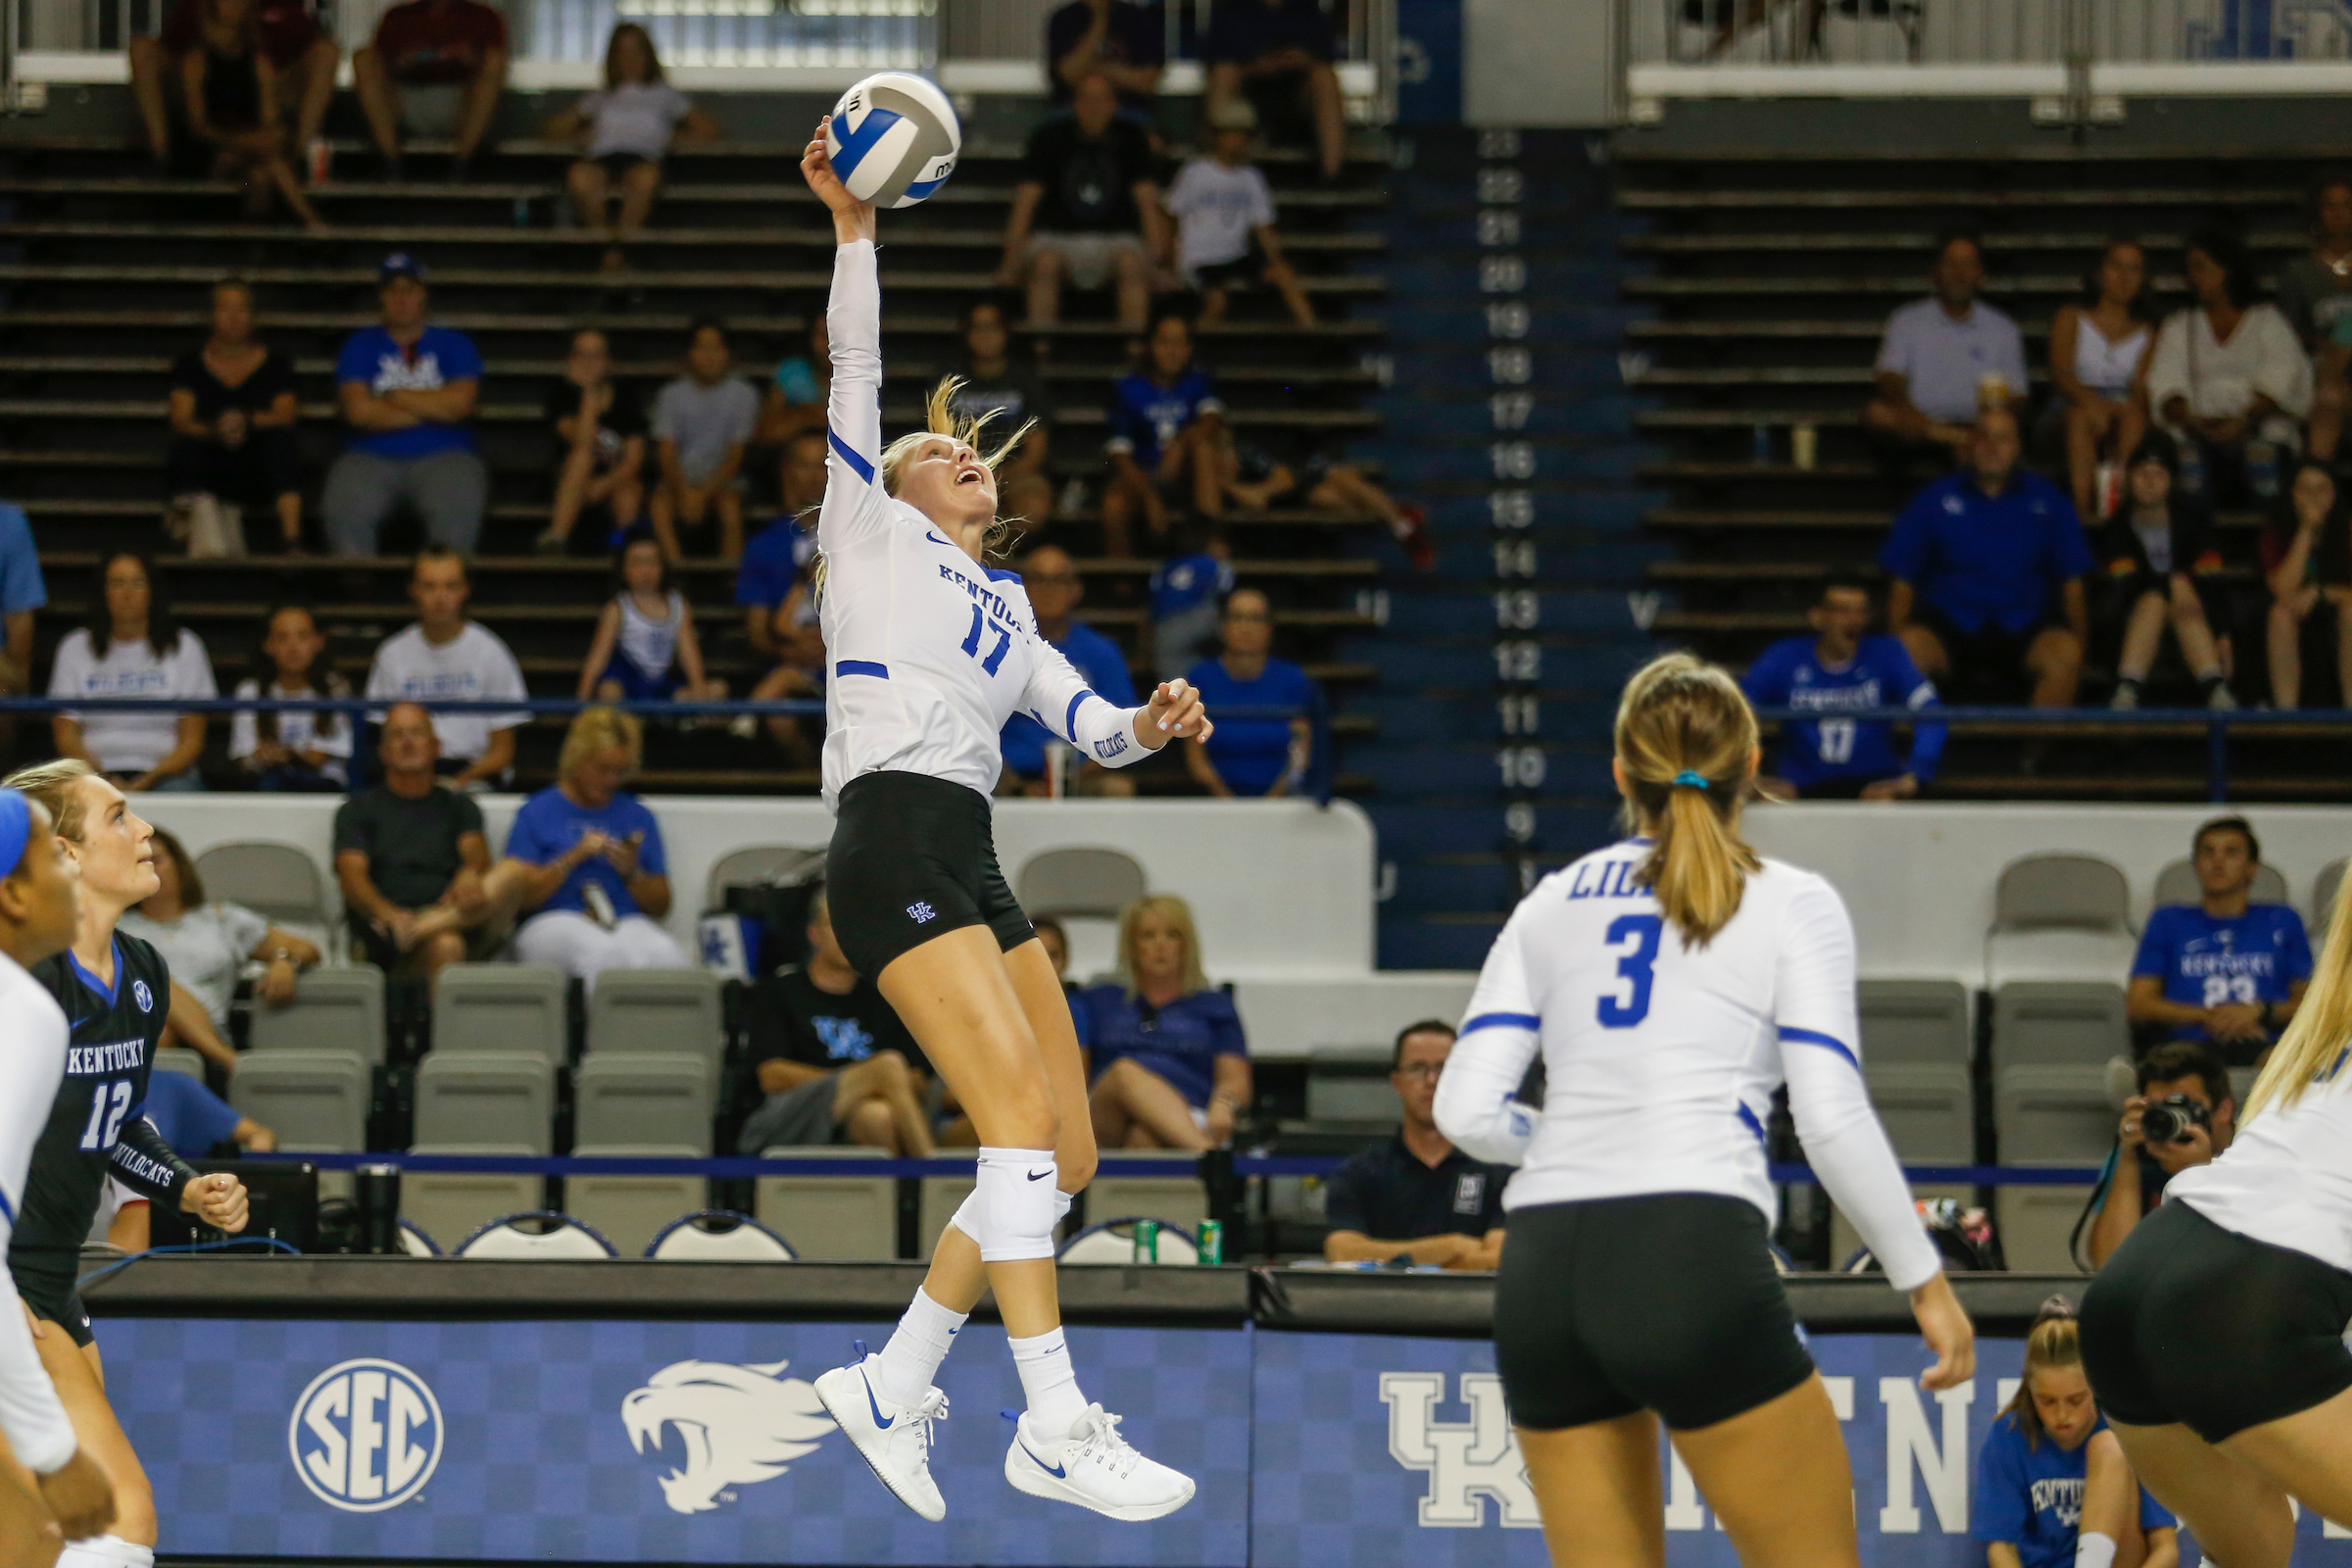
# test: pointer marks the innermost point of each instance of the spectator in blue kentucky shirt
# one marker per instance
(2224, 970)
(1988, 566)
(1050, 577)
(408, 390)
(195, 1121)
(1840, 669)
(779, 612)
(1168, 431)
(1251, 757)
(1171, 1065)
(1185, 592)
(22, 592)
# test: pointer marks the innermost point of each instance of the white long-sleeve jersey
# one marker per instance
(2287, 1177)
(32, 1064)
(1660, 1060)
(931, 651)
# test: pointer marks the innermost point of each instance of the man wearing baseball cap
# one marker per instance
(408, 390)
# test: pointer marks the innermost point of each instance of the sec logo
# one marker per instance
(142, 996)
(365, 1436)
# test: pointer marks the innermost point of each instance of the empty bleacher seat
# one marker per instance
(502, 1008)
(854, 1219)
(1171, 1199)
(2322, 898)
(643, 1097)
(657, 1009)
(2054, 1115)
(631, 1211)
(756, 864)
(536, 1235)
(2059, 917)
(484, 1100)
(1929, 1109)
(314, 1101)
(338, 1008)
(2048, 1023)
(280, 882)
(1914, 1021)
(179, 1059)
(719, 1236)
(2177, 883)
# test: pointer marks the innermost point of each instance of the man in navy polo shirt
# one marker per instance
(1417, 1197)
(1988, 568)
(1050, 577)
(408, 389)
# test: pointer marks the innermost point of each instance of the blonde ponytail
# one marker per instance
(1686, 744)
(2313, 1048)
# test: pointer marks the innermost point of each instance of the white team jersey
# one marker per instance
(931, 651)
(1660, 1060)
(2286, 1177)
(32, 1064)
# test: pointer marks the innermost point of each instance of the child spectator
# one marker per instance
(993, 383)
(2162, 561)
(232, 414)
(446, 46)
(627, 127)
(1253, 756)
(2307, 562)
(408, 390)
(1225, 220)
(795, 400)
(1051, 578)
(229, 87)
(701, 423)
(133, 648)
(779, 619)
(600, 434)
(292, 750)
(1167, 426)
(645, 648)
(445, 656)
(1185, 592)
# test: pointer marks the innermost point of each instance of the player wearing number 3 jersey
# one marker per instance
(1672, 983)
(933, 650)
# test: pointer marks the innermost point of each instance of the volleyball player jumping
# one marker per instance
(116, 992)
(1671, 983)
(2214, 1336)
(932, 652)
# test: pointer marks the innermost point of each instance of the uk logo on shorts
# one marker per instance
(142, 996)
(365, 1436)
(922, 913)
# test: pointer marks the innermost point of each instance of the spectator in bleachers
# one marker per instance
(131, 647)
(1416, 1196)
(832, 1058)
(292, 750)
(302, 54)
(409, 390)
(2307, 564)
(1167, 438)
(1055, 588)
(2100, 369)
(627, 128)
(1945, 358)
(2227, 375)
(701, 423)
(196, 1122)
(2188, 1074)
(1278, 54)
(2315, 288)
(1261, 481)
(645, 647)
(1253, 756)
(794, 399)
(22, 592)
(447, 656)
(2225, 971)
(600, 442)
(1086, 211)
(2162, 564)
(409, 859)
(1057, 942)
(1224, 216)
(586, 855)
(209, 945)
(1842, 668)
(1171, 1066)
(230, 87)
(994, 381)
(779, 613)
(1123, 41)
(457, 45)
(1186, 593)
(1988, 566)
(232, 414)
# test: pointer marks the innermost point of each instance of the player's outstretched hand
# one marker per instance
(217, 1200)
(78, 1497)
(816, 168)
(1943, 1323)
(1175, 710)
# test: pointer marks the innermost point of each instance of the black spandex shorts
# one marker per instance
(914, 857)
(1668, 1302)
(50, 1290)
(2192, 1324)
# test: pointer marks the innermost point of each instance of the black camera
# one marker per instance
(2168, 1119)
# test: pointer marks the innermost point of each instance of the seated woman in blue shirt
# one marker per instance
(1171, 1068)
(1251, 757)
(2053, 1488)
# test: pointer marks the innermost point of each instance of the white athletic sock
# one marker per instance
(1055, 1402)
(105, 1551)
(910, 1361)
(2095, 1550)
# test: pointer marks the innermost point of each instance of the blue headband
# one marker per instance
(1690, 778)
(16, 825)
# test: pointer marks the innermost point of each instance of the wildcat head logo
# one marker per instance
(736, 1424)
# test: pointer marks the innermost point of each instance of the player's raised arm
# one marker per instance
(854, 322)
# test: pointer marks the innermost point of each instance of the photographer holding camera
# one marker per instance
(2183, 1116)
(2224, 970)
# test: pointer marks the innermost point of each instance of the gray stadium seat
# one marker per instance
(2046, 1022)
(314, 1101)
(452, 1206)
(2177, 883)
(1929, 1109)
(1081, 882)
(629, 1211)
(2322, 898)
(716, 1236)
(1914, 1021)
(941, 1196)
(280, 882)
(502, 1008)
(332, 1008)
(2059, 917)
(2059, 1114)
(1360, 1090)
(786, 865)
(179, 1059)
(481, 1100)
(657, 1009)
(1171, 1199)
(643, 1097)
(853, 1218)
(532, 1236)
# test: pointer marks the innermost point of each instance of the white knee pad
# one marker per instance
(966, 1217)
(1012, 1212)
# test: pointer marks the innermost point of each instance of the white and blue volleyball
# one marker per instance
(893, 139)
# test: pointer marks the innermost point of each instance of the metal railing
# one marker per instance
(853, 34)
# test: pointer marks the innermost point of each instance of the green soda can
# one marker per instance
(1212, 1242)
(1146, 1241)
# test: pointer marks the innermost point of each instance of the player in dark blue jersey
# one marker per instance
(1840, 670)
(2226, 970)
(117, 995)
(1168, 431)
